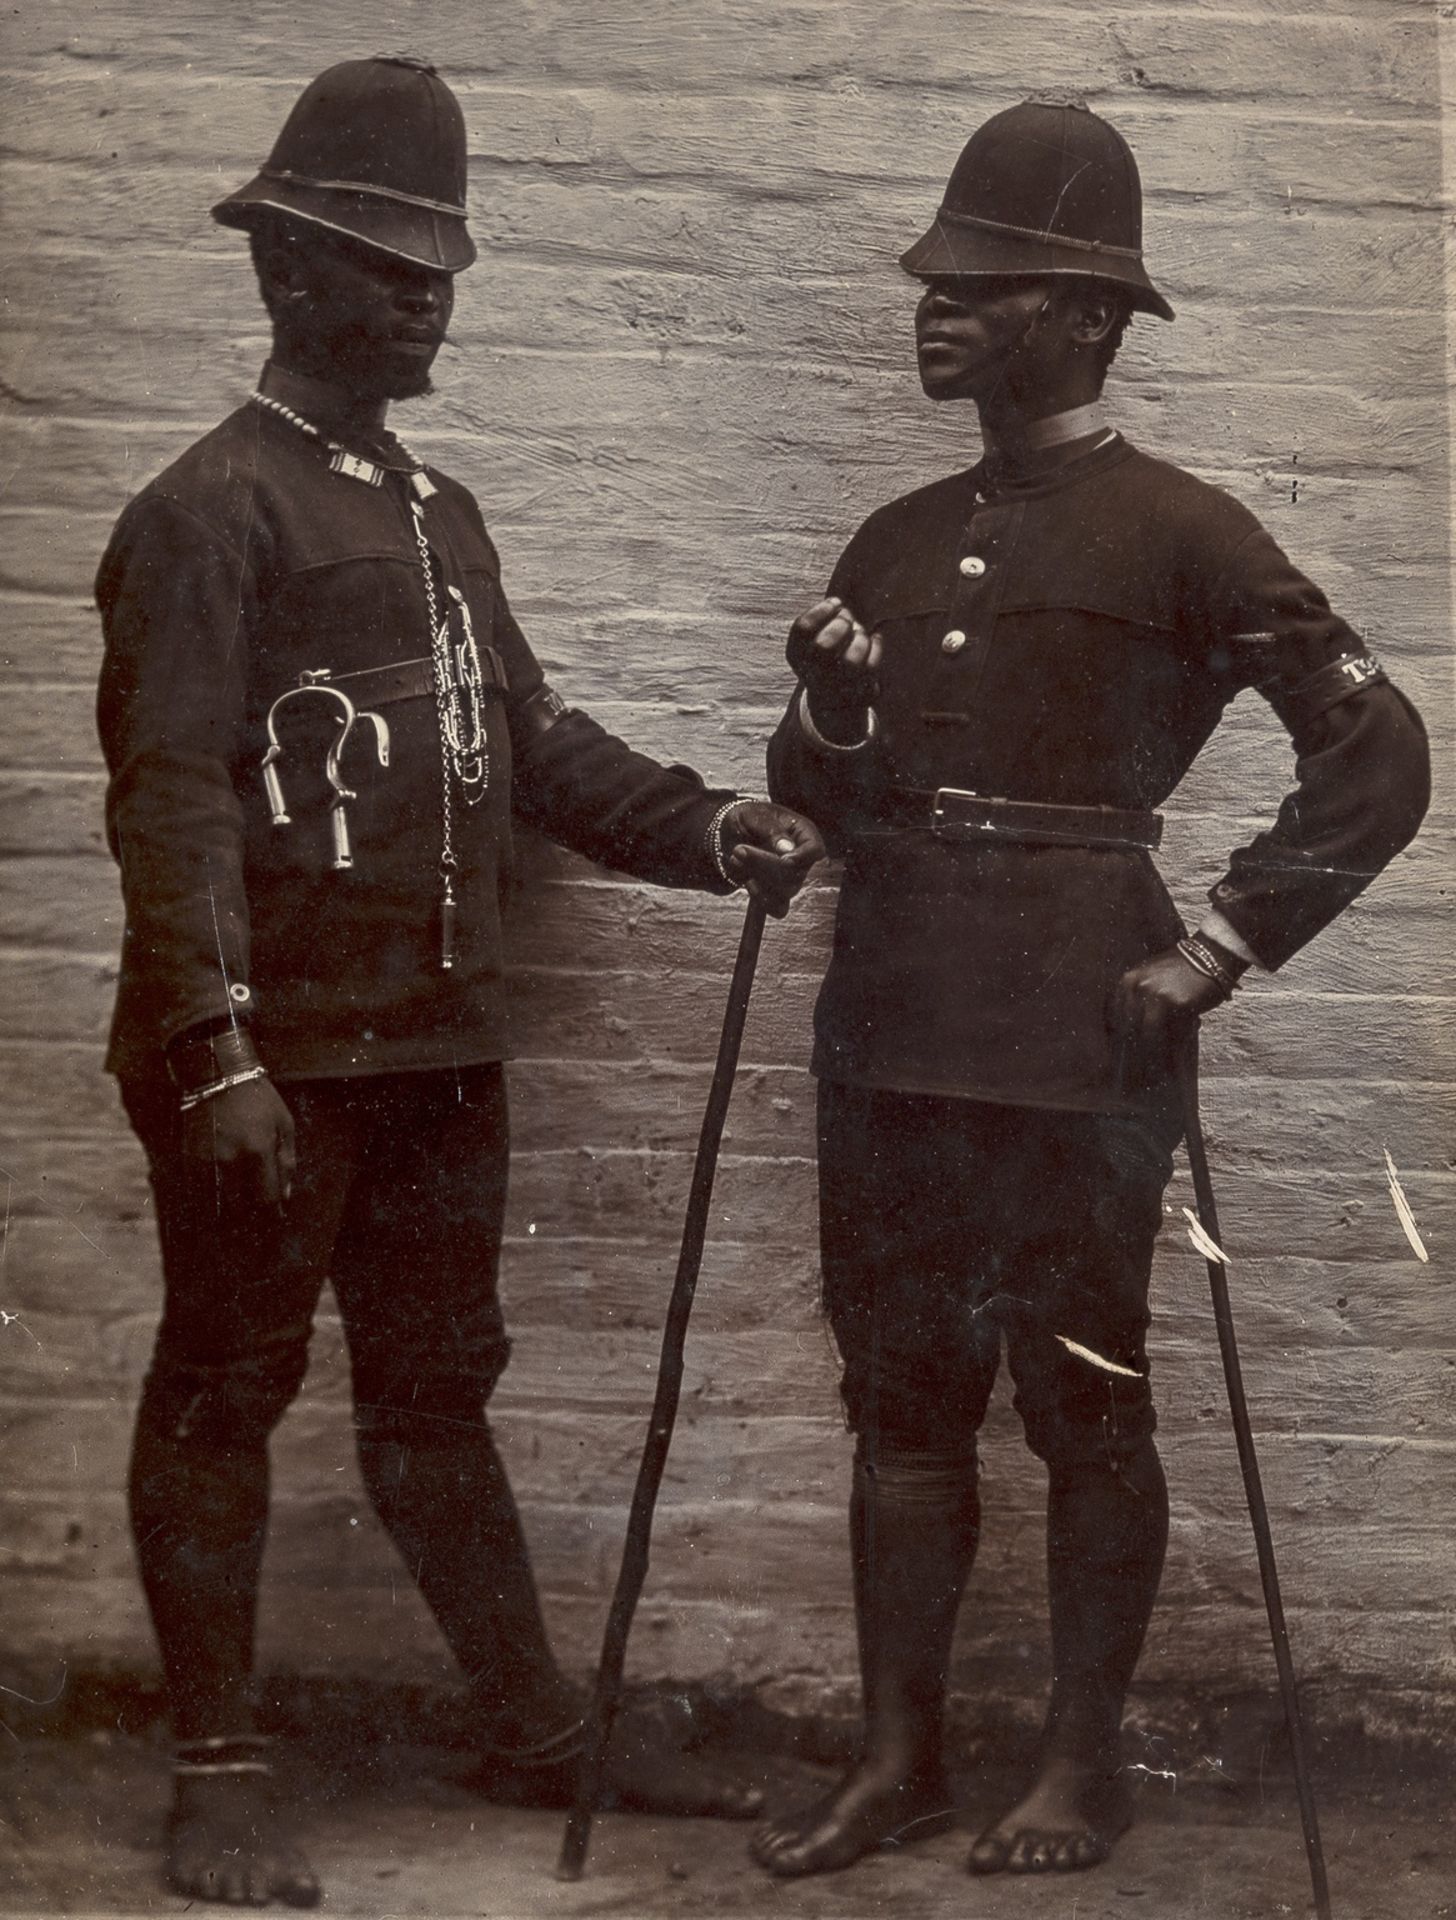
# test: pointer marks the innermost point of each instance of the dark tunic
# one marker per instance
(244, 565)
(1074, 639)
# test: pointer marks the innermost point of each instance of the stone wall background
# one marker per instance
(682, 373)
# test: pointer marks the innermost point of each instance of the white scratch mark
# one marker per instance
(1097, 1360)
(1402, 1210)
(16, 1694)
(1157, 1773)
(14, 1320)
(1205, 1244)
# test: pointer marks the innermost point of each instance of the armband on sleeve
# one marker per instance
(536, 715)
(1307, 699)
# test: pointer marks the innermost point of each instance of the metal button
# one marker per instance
(953, 641)
(237, 991)
(973, 566)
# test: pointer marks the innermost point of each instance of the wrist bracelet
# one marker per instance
(713, 841)
(196, 1096)
(1201, 956)
(714, 837)
(1231, 965)
(197, 1059)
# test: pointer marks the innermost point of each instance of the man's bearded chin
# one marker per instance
(411, 387)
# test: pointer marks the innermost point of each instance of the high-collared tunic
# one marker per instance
(1074, 639)
(244, 566)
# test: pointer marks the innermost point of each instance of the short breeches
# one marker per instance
(398, 1200)
(948, 1226)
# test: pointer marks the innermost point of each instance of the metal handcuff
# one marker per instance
(349, 716)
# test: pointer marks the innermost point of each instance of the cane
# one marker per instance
(664, 1409)
(1249, 1464)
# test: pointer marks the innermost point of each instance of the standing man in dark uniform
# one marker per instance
(1060, 627)
(319, 719)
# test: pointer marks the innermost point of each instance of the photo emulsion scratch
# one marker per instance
(520, 525)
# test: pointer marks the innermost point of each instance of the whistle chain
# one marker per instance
(458, 682)
(463, 754)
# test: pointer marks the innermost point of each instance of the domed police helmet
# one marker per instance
(374, 149)
(1044, 188)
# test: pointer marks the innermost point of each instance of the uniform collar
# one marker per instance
(1048, 470)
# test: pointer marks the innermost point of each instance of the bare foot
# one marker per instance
(224, 1842)
(872, 1807)
(648, 1771)
(1070, 1820)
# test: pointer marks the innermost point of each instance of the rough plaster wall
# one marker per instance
(682, 373)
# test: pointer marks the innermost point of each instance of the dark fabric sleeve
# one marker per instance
(830, 784)
(590, 791)
(177, 609)
(1362, 766)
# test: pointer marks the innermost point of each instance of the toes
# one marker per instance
(990, 1854)
(1018, 1859)
(1030, 1853)
(777, 1847)
(1086, 1850)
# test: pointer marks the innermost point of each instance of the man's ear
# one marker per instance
(277, 271)
(279, 267)
(1094, 317)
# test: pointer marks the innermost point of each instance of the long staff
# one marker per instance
(664, 1408)
(1249, 1463)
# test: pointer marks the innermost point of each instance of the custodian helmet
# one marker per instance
(1043, 189)
(374, 149)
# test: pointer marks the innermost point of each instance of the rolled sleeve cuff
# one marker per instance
(1214, 926)
(817, 739)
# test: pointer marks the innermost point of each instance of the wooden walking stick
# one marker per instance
(664, 1408)
(1249, 1464)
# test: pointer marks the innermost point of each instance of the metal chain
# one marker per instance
(440, 660)
(463, 751)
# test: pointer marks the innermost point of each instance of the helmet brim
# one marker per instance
(954, 248)
(418, 234)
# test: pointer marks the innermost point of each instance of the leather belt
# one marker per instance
(373, 687)
(962, 815)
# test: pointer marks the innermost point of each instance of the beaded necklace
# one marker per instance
(458, 680)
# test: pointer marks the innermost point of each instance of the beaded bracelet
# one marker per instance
(1200, 955)
(1233, 965)
(715, 833)
(713, 841)
(196, 1095)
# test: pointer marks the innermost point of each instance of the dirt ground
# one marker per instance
(398, 1831)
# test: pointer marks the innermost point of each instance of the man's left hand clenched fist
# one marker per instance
(770, 849)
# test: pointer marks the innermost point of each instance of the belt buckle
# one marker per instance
(941, 810)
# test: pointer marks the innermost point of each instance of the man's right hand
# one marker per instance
(245, 1136)
(836, 659)
(828, 647)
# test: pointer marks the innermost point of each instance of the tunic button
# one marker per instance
(973, 566)
(953, 641)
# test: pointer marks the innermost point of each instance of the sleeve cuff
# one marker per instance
(1213, 926)
(816, 738)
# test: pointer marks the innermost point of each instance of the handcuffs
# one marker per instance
(318, 685)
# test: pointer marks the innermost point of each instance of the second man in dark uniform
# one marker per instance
(1014, 669)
